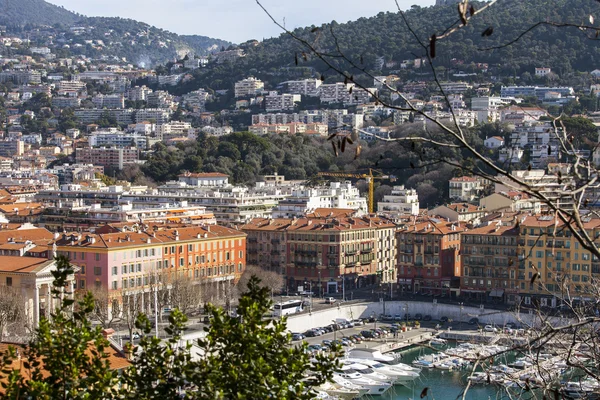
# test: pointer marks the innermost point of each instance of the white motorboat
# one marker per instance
(521, 363)
(372, 354)
(422, 363)
(398, 375)
(345, 383)
(438, 342)
(373, 387)
(478, 377)
(367, 372)
(585, 389)
(443, 365)
(341, 392)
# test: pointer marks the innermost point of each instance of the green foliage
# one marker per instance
(35, 12)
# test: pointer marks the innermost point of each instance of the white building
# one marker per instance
(305, 200)
(465, 188)
(211, 179)
(400, 201)
(282, 102)
(248, 87)
(306, 87)
(174, 129)
(541, 72)
(494, 142)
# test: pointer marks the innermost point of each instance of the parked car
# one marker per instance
(372, 318)
(508, 330)
(368, 334)
(310, 333)
(328, 328)
(315, 347)
(474, 321)
(297, 336)
(511, 325)
(329, 300)
(427, 318)
(326, 343)
(444, 319)
(397, 317)
(418, 316)
(490, 328)
(387, 317)
(358, 322)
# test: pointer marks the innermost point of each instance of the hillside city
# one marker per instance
(86, 173)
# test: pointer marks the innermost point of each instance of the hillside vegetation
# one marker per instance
(385, 35)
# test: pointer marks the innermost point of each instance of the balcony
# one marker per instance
(367, 249)
(351, 252)
(305, 264)
(252, 240)
(276, 241)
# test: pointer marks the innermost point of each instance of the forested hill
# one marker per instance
(36, 12)
(136, 41)
(386, 35)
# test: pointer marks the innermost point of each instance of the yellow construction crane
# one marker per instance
(370, 178)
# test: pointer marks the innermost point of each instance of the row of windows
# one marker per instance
(197, 273)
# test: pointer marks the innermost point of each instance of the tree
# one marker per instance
(131, 309)
(272, 280)
(107, 306)
(12, 311)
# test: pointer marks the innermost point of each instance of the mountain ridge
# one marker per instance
(29, 13)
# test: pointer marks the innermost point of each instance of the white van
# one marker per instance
(329, 300)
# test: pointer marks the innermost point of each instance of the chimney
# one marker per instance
(55, 235)
(148, 240)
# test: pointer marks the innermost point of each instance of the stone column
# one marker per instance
(48, 301)
(36, 305)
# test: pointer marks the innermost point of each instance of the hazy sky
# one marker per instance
(233, 20)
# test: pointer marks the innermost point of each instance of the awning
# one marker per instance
(472, 291)
(497, 293)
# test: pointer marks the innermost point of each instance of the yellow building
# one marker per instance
(566, 269)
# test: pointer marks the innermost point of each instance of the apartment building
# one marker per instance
(174, 129)
(304, 200)
(348, 94)
(116, 138)
(548, 248)
(107, 156)
(290, 129)
(399, 201)
(462, 212)
(138, 93)
(129, 261)
(306, 87)
(429, 258)
(281, 102)
(455, 87)
(158, 115)
(490, 264)
(109, 101)
(326, 254)
(10, 148)
(248, 87)
(465, 188)
(89, 116)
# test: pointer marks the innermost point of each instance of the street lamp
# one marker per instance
(334, 329)
(319, 268)
(461, 304)
(405, 309)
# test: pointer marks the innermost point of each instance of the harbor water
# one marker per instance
(442, 385)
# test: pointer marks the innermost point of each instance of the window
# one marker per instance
(145, 252)
(166, 250)
(242, 253)
(240, 267)
(115, 271)
(131, 268)
(8, 281)
(97, 256)
(227, 256)
(190, 247)
(82, 255)
(124, 269)
(97, 271)
(152, 252)
(181, 262)
(125, 283)
(82, 284)
(138, 267)
(115, 285)
(139, 281)
(82, 270)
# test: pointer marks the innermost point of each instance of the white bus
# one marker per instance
(287, 307)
